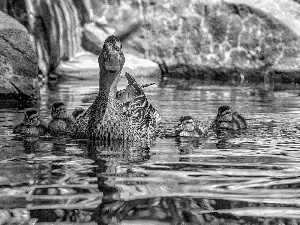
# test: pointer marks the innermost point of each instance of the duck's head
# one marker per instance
(187, 123)
(224, 114)
(31, 117)
(58, 110)
(111, 59)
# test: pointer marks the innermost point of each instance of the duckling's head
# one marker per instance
(187, 123)
(224, 114)
(31, 117)
(59, 110)
(111, 59)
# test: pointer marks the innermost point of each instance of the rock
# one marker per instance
(85, 66)
(18, 61)
(54, 27)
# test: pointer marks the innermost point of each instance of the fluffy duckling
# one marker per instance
(188, 127)
(61, 123)
(31, 125)
(226, 119)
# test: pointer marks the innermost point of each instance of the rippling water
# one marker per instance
(246, 178)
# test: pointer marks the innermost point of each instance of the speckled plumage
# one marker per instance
(105, 119)
(189, 127)
(103, 122)
(226, 119)
(61, 123)
(136, 105)
(31, 124)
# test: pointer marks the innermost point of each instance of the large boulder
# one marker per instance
(54, 27)
(18, 61)
(210, 40)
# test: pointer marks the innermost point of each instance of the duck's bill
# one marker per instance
(112, 67)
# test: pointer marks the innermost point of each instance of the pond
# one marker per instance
(252, 177)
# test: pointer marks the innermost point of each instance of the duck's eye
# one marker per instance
(118, 48)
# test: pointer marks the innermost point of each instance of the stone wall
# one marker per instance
(200, 34)
(54, 26)
(18, 61)
(184, 36)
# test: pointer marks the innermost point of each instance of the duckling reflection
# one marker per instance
(226, 144)
(31, 124)
(31, 144)
(228, 120)
(59, 145)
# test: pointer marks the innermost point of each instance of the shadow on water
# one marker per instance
(249, 177)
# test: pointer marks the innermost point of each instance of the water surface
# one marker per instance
(250, 177)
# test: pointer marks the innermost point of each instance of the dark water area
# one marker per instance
(250, 177)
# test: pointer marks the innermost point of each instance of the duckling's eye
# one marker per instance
(35, 117)
(118, 47)
(226, 113)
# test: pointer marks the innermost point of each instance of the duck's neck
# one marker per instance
(107, 88)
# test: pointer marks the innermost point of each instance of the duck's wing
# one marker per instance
(240, 120)
(132, 82)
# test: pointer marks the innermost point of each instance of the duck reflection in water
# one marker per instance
(183, 210)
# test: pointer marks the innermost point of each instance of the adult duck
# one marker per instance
(31, 124)
(104, 119)
(229, 120)
(61, 123)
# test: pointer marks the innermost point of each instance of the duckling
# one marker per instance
(189, 127)
(226, 119)
(31, 125)
(61, 123)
